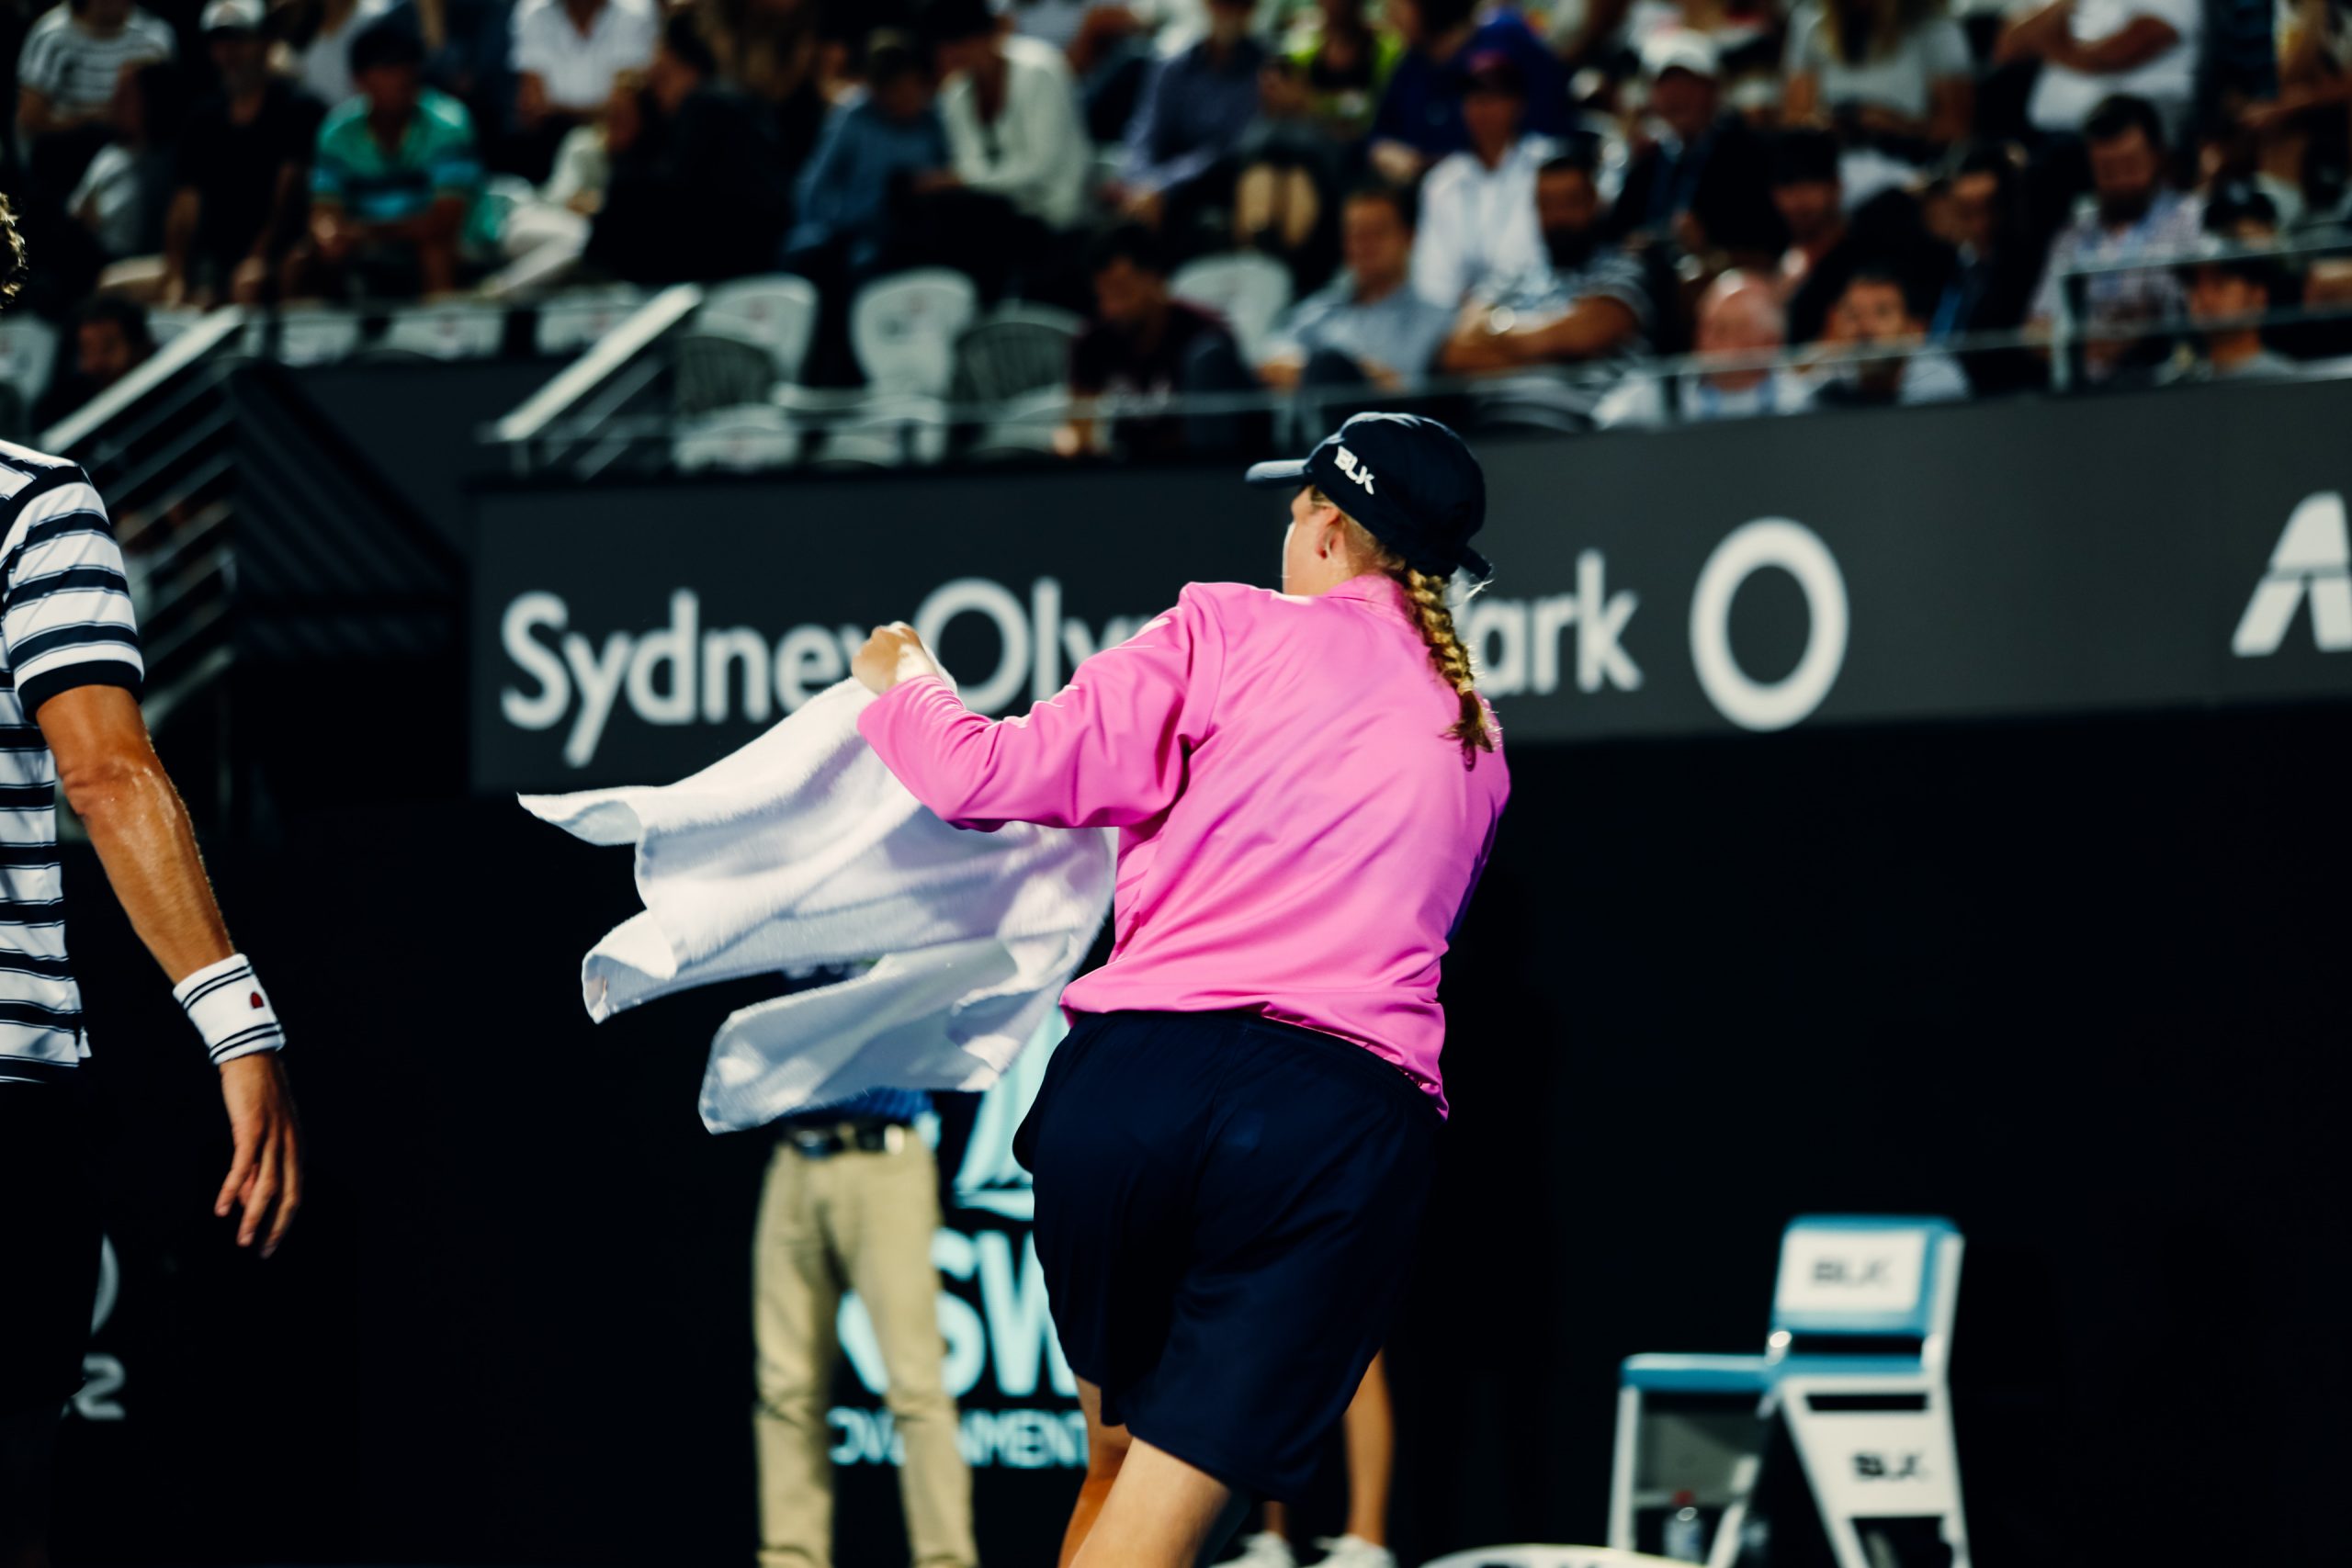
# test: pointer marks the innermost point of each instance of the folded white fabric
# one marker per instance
(802, 851)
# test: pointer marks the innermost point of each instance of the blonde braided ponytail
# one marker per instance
(1448, 655)
(1450, 658)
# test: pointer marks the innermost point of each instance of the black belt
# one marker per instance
(872, 1135)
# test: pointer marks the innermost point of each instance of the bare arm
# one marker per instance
(292, 182)
(2027, 37)
(1801, 99)
(179, 239)
(1951, 109)
(36, 116)
(113, 780)
(1593, 327)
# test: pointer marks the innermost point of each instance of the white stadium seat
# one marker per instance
(1014, 351)
(778, 314)
(904, 329)
(1250, 291)
(569, 323)
(448, 332)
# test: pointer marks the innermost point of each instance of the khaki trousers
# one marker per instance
(863, 1222)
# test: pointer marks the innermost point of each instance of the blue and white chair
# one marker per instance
(1856, 1364)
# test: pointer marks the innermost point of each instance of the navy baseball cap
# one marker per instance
(1411, 481)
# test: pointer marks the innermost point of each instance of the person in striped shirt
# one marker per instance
(66, 74)
(70, 673)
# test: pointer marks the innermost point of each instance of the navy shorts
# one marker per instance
(1225, 1210)
(49, 1247)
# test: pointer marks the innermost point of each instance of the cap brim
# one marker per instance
(1289, 472)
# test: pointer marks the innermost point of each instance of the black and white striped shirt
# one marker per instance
(65, 621)
(75, 69)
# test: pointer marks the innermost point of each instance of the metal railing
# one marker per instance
(2070, 333)
(600, 384)
(587, 444)
(159, 446)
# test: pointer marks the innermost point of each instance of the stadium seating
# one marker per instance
(447, 331)
(904, 329)
(569, 322)
(1250, 291)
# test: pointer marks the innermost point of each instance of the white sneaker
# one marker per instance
(1355, 1552)
(1264, 1549)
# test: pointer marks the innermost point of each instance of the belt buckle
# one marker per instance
(815, 1142)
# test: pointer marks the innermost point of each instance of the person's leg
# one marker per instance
(889, 1211)
(50, 1250)
(1106, 1448)
(795, 1299)
(1371, 1426)
(1161, 1513)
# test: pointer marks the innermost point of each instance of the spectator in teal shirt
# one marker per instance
(395, 185)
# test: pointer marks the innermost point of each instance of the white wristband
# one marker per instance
(226, 1004)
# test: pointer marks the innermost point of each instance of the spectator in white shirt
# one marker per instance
(566, 55)
(2092, 48)
(1478, 219)
(1010, 113)
(1018, 157)
(1895, 75)
(567, 52)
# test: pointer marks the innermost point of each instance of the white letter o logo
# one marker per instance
(997, 602)
(1797, 550)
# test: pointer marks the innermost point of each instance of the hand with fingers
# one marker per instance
(894, 653)
(265, 1173)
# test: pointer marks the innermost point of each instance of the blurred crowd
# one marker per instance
(1543, 197)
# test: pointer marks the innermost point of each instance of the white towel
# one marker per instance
(801, 849)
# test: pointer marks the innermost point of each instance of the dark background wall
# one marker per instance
(2079, 986)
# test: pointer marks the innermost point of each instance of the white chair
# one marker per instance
(778, 314)
(903, 329)
(570, 323)
(1855, 1365)
(758, 435)
(1015, 350)
(1248, 290)
(305, 335)
(447, 331)
(27, 354)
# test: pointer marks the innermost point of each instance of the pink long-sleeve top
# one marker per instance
(1297, 834)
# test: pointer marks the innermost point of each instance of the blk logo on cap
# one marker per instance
(1355, 470)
